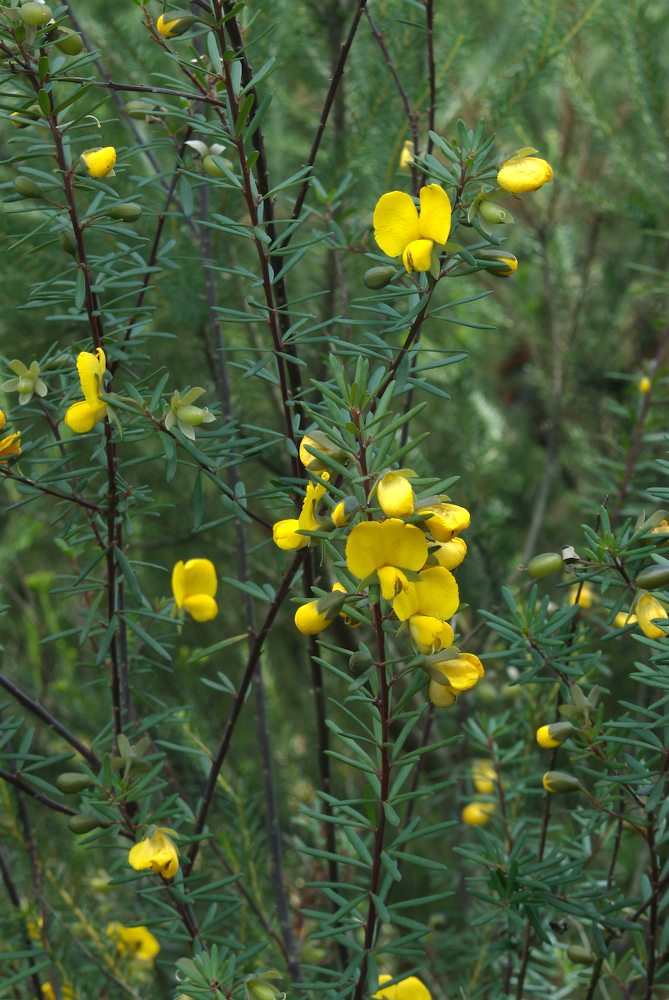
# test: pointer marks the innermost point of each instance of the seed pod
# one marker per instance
(583, 956)
(27, 188)
(81, 823)
(653, 577)
(35, 15)
(359, 661)
(494, 214)
(72, 782)
(130, 212)
(545, 564)
(261, 991)
(69, 42)
(379, 277)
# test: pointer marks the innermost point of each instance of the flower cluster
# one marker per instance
(404, 557)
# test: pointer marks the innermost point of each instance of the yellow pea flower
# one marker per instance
(484, 777)
(386, 548)
(648, 608)
(445, 521)
(644, 385)
(478, 813)
(441, 695)
(410, 988)
(338, 588)
(428, 634)
(400, 230)
(194, 586)
(10, 446)
(395, 495)
(84, 415)
(173, 24)
(406, 156)
(287, 533)
(310, 621)
(559, 781)
(450, 554)
(624, 618)
(584, 598)
(522, 173)
(553, 735)
(435, 594)
(100, 162)
(157, 852)
(138, 942)
(461, 673)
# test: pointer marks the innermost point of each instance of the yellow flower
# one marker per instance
(450, 554)
(445, 520)
(157, 852)
(83, 416)
(338, 588)
(406, 156)
(428, 634)
(322, 443)
(584, 598)
(100, 162)
(552, 736)
(410, 988)
(484, 777)
(395, 495)
(287, 533)
(478, 813)
(339, 515)
(645, 385)
(648, 608)
(386, 548)
(502, 263)
(138, 942)
(66, 992)
(441, 695)
(624, 618)
(399, 229)
(10, 445)
(460, 673)
(519, 174)
(434, 594)
(310, 621)
(194, 585)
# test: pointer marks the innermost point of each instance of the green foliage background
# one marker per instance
(537, 419)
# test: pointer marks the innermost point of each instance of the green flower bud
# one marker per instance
(500, 263)
(494, 214)
(81, 823)
(583, 956)
(27, 188)
(545, 564)
(560, 781)
(26, 384)
(129, 212)
(210, 166)
(360, 660)
(653, 577)
(71, 782)
(69, 42)
(379, 277)
(262, 991)
(191, 415)
(35, 15)
(67, 241)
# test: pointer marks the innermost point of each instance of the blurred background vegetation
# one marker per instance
(541, 410)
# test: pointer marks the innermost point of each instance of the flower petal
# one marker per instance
(410, 988)
(91, 368)
(285, 535)
(201, 607)
(395, 495)
(178, 583)
(395, 222)
(393, 582)
(447, 520)
(451, 554)
(100, 162)
(418, 256)
(435, 595)
(525, 173)
(434, 220)
(200, 577)
(310, 621)
(461, 673)
(648, 608)
(429, 634)
(374, 544)
(10, 445)
(82, 417)
(441, 695)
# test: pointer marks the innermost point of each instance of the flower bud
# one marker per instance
(344, 511)
(644, 385)
(653, 577)
(35, 15)
(379, 277)
(192, 415)
(130, 212)
(545, 564)
(26, 384)
(310, 621)
(71, 782)
(322, 443)
(523, 173)
(553, 735)
(500, 263)
(494, 214)
(560, 781)
(580, 955)
(478, 813)
(262, 991)
(100, 161)
(69, 42)
(360, 660)
(174, 23)
(67, 242)
(647, 609)
(484, 777)
(27, 188)
(81, 823)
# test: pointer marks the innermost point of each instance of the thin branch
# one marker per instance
(40, 797)
(69, 497)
